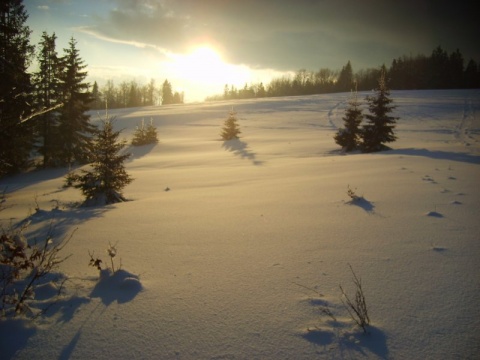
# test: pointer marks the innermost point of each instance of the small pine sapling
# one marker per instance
(145, 134)
(103, 184)
(231, 129)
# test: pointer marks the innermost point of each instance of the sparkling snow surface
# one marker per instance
(253, 237)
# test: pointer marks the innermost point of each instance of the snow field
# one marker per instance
(220, 256)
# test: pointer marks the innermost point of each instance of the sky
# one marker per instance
(200, 46)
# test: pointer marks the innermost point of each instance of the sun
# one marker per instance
(203, 67)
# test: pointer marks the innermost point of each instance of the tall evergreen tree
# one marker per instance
(47, 94)
(109, 95)
(104, 182)
(380, 125)
(16, 137)
(150, 93)
(472, 75)
(345, 79)
(348, 137)
(96, 97)
(75, 140)
(167, 93)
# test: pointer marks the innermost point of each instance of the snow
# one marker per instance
(254, 236)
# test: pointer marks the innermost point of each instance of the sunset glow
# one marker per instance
(205, 68)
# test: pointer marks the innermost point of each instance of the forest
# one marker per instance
(132, 94)
(439, 70)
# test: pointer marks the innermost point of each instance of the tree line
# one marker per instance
(440, 70)
(132, 94)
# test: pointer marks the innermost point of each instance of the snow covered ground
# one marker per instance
(253, 238)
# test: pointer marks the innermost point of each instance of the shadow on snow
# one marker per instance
(120, 286)
(138, 152)
(352, 344)
(240, 148)
(363, 203)
(441, 155)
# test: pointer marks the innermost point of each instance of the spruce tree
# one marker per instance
(167, 93)
(16, 136)
(144, 135)
(348, 137)
(47, 94)
(75, 129)
(380, 125)
(104, 182)
(345, 78)
(231, 129)
(96, 97)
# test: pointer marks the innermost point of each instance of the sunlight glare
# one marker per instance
(205, 67)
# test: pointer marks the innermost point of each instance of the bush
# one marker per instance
(23, 267)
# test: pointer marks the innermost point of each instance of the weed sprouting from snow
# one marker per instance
(356, 307)
(112, 252)
(96, 262)
(352, 194)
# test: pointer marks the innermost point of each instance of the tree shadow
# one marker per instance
(240, 148)
(57, 223)
(17, 182)
(14, 335)
(440, 155)
(70, 347)
(138, 152)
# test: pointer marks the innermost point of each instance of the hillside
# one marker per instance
(238, 246)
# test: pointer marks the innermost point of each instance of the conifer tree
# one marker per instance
(345, 78)
(380, 125)
(145, 134)
(16, 136)
(167, 93)
(348, 137)
(47, 94)
(104, 182)
(96, 97)
(75, 129)
(231, 129)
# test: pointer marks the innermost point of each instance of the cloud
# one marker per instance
(43, 7)
(288, 35)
